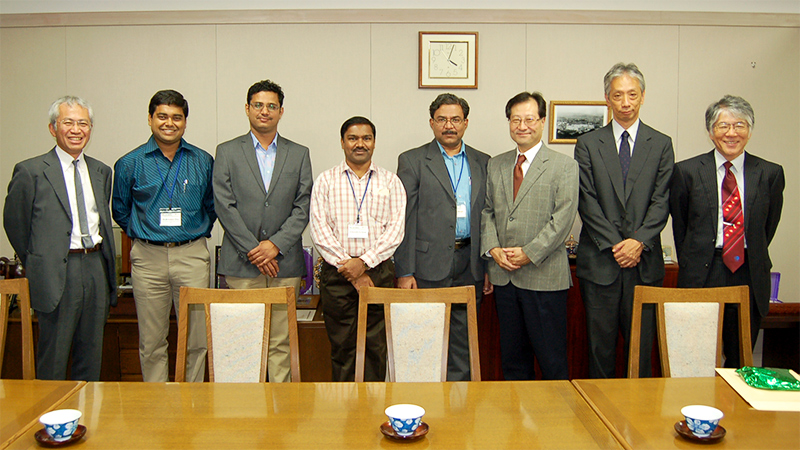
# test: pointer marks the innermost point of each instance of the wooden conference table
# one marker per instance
(487, 415)
(642, 413)
(22, 402)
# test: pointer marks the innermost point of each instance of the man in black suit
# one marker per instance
(57, 219)
(625, 168)
(445, 181)
(726, 205)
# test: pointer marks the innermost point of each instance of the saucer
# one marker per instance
(45, 440)
(683, 430)
(388, 431)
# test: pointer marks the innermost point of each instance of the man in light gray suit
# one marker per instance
(57, 219)
(262, 189)
(531, 202)
(445, 182)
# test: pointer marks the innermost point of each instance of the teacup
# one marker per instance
(405, 418)
(701, 420)
(61, 423)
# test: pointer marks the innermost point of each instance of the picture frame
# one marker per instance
(448, 59)
(570, 119)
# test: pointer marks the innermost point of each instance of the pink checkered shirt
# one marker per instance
(334, 208)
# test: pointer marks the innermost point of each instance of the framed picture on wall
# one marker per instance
(568, 120)
(448, 60)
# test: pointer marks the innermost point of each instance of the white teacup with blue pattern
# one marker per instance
(701, 420)
(61, 423)
(405, 418)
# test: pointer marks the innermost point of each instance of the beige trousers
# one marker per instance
(157, 274)
(279, 363)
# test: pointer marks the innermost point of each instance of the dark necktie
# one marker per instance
(518, 176)
(732, 222)
(86, 239)
(624, 156)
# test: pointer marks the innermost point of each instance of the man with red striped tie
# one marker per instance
(725, 206)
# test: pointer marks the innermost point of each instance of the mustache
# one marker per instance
(450, 133)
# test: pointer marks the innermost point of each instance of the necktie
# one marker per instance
(518, 176)
(86, 239)
(732, 222)
(624, 156)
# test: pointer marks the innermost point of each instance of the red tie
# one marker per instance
(518, 176)
(733, 222)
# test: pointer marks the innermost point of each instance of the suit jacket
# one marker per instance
(612, 213)
(38, 221)
(249, 214)
(694, 204)
(539, 220)
(427, 249)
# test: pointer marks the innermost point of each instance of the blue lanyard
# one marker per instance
(360, 204)
(460, 172)
(174, 182)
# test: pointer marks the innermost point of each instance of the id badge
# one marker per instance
(357, 231)
(170, 217)
(461, 211)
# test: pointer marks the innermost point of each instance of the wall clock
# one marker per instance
(448, 60)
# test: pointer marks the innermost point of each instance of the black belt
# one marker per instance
(169, 244)
(87, 250)
(461, 243)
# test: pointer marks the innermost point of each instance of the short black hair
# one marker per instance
(449, 99)
(523, 97)
(265, 86)
(356, 120)
(169, 97)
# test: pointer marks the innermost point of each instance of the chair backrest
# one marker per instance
(689, 323)
(237, 331)
(18, 287)
(425, 333)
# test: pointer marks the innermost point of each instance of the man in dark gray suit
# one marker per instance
(625, 169)
(262, 188)
(445, 182)
(57, 219)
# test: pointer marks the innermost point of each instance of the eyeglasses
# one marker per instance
(258, 106)
(442, 121)
(82, 124)
(724, 127)
(529, 121)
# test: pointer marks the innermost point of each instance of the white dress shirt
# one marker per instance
(92, 216)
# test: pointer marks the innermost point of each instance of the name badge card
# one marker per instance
(357, 231)
(170, 217)
(461, 211)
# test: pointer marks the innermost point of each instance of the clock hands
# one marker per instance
(453, 47)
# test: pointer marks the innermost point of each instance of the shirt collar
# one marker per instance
(345, 168)
(461, 152)
(272, 145)
(65, 158)
(737, 163)
(150, 146)
(531, 152)
(632, 130)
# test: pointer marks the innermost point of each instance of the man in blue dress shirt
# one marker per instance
(164, 201)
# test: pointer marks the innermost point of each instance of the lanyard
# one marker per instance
(460, 172)
(360, 204)
(174, 182)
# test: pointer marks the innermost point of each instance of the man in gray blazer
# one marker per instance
(531, 202)
(262, 187)
(57, 219)
(625, 169)
(445, 182)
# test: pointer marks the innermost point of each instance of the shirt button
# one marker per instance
(266, 204)
(510, 219)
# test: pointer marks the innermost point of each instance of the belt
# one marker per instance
(87, 250)
(461, 243)
(168, 244)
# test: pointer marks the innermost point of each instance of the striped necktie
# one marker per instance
(732, 222)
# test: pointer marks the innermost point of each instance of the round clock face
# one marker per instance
(447, 60)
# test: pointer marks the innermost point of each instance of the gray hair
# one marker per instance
(69, 100)
(620, 69)
(736, 106)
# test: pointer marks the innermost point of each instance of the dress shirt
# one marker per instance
(632, 131)
(266, 159)
(92, 216)
(737, 168)
(143, 180)
(461, 182)
(529, 155)
(334, 208)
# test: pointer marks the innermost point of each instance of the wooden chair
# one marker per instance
(237, 331)
(18, 287)
(425, 332)
(689, 325)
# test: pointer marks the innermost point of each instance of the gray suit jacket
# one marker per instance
(38, 222)
(539, 220)
(612, 213)
(249, 215)
(427, 249)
